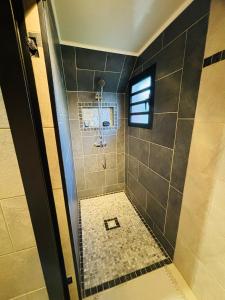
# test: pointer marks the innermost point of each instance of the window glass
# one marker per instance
(139, 119)
(143, 107)
(143, 84)
(140, 96)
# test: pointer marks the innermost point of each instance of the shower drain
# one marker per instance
(111, 223)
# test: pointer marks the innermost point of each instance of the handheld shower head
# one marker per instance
(101, 83)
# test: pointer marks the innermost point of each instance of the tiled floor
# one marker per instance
(115, 241)
(162, 284)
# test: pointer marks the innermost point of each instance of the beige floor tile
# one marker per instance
(162, 284)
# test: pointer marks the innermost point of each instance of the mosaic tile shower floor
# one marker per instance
(115, 240)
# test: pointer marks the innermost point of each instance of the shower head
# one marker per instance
(101, 83)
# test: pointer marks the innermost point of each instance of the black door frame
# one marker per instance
(21, 102)
(42, 6)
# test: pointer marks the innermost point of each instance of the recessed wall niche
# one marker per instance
(91, 116)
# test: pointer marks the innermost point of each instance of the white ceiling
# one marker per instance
(123, 26)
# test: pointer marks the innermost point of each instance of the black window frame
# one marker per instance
(148, 72)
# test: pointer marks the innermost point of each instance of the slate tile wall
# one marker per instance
(91, 178)
(156, 159)
(84, 67)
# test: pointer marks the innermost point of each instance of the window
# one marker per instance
(141, 99)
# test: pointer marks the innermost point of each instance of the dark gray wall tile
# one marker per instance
(68, 56)
(160, 160)
(137, 71)
(133, 131)
(156, 211)
(163, 131)
(95, 179)
(173, 215)
(133, 166)
(72, 99)
(195, 11)
(181, 152)
(193, 61)
(114, 62)
(138, 190)
(90, 59)
(86, 96)
(85, 80)
(111, 177)
(90, 192)
(139, 149)
(145, 134)
(169, 69)
(121, 106)
(155, 184)
(126, 73)
(151, 50)
(113, 188)
(121, 167)
(166, 245)
(111, 81)
(170, 58)
(167, 92)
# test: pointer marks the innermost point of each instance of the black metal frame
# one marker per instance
(21, 102)
(149, 72)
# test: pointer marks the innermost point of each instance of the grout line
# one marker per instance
(18, 251)
(138, 138)
(93, 82)
(169, 74)
(7, 228)
(171, 168)
(163, 113)
(93, 70)
(76, 71)
(22, 195)
(149, 153)
(106, 58)
(166, 210)
(176, 189)
(121, 74)
(131, 74)
(153, 171)
(28, 293)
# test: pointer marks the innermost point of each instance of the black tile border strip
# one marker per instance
(109, 284)
(216, 57)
